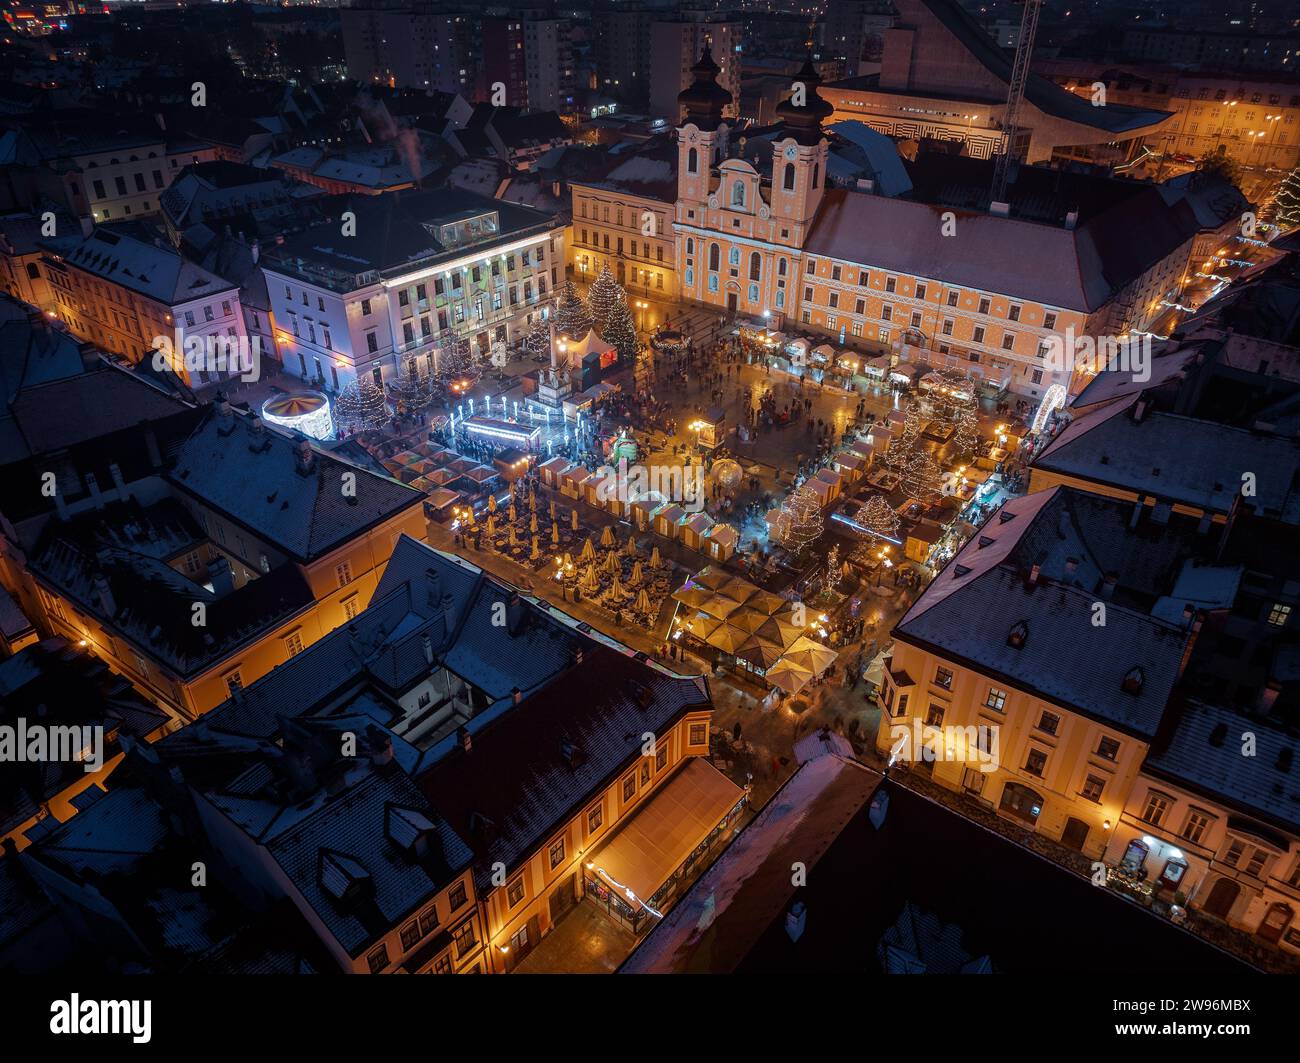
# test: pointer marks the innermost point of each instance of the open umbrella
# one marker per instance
(788, 676)
(637, 574)
(727, 638)
(630, 548)
(811, 655)
(555, 534)
(573, 518)
(655, 562)
(607, 537)
(643, 602)
(588, 550)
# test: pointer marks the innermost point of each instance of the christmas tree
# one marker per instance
(360, 406)
(409, 391)
(620, 333)
(921, 476)
(603, 297)
(954, 403)
(832, 579)
(1286, 204)
(904, 446)
(801, 519)
(572, 318)
(538, 340)
(879, 518)
(452, 357)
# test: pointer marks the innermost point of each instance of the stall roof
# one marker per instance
(657, 840)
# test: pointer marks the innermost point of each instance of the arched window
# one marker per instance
(755, 265)
(780, 267)
(780, 298)
(715, 257)
(733, 257)
(690, 245)
(753, 293)
(713, 282)
(738, 194)
(787, 181)
(690, 276)
(817, 173)
(693, 161)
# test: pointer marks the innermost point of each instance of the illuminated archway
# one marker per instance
(1053, 400)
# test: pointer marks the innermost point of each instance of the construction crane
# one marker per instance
(1015, 97)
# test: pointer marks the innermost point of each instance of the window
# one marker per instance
(351, 607)
(595, 818)
(234, 681)
(787, 179)
(556, 853)
(293, 644)
(429, 920)
(344, 572)
(1108, 749)
(515, 892)
(1036, 762)
(1197, 824)
(443, 966)
(661, 756)
(1092, 788)
(953, 297)
(891, 284)
(698, 734)
(943, 678)
(934, 715)
(984, 306)
(1013, 312)
(464, 937)
(755, 266)
(1049, 723)
(378, 959)
(645, 772)
(456, 898)
(1008, 341)
(693, 161)
(920, 291)
(410, 935)
(1278, 614)
(1049, 320)
(738, 194)
(715, 257)
(996, 699)
(1156, 808)
(733, 256)
(365, 307)
(629, 787)
(978, 335)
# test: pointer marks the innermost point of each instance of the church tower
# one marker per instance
(702, 136)
(799, 156)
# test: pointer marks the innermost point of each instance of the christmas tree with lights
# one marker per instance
(538, 340)
(452, 357)
(572, 318)
(879, 518)
(409, 391)
(620, 333)
(801, 522)
(360, 406)
(908, 441)
(832, 578)
(603, 297)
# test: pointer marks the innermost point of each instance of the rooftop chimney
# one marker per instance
(427, 643)
(1072, 219)
(104, 596)
(1034, 570)
(433, 587)
(304, 457)
(466, 742)
(223, 579)
(1108, 585)
(514, 614)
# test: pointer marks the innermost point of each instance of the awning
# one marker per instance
(643, 855)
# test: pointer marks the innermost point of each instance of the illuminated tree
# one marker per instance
(1286, 204)
(572, 318)
(453, 356)
(603, 298)
(878, 517)
(832, 579)
(620, 333)
(408, 391)
(801, 522)
(538, 340)
(360, 406)
(903, 446)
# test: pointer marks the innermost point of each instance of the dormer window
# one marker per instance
(1017, 635)
(1133, 681)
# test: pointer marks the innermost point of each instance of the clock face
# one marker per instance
(791, 153)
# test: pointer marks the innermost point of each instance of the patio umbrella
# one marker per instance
(514, 536)
(765, 602)
(573, 518)
(590, 581)
(759, 652)
(811, 655)
(727, 638)
(611, 562)
(588, 550)
(552, 511)
(616, 589)
(555, 534)
(637, 575)
(779, 629)
(788, 676)
(691, 596)
(643, 602)
(536, 554)
(630, 548)
(655, 562)
(532, 524)
(511, 513)
(492, 503)
(491, 525)
(568, 560)
(607, 537)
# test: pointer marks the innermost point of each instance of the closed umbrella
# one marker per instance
(555, 534)
(607, 537)
(611, 562)
(637, 574)
(573, 518)
(590, 581)
(568, 560)
(532, 524)
(514, 536)
(643, 602)
(511, 512)
(655, 561)
(630, 548)
(536, 554)
(491, 525)
(588, 550)
(552, 510)
(616, 589)
(492, 503)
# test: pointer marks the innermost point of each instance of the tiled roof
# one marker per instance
(970, 609)
(157, 272)
(238, 465)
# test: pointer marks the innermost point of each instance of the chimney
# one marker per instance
(427, 643)
(89, 355)
(433, 587)
(93, 485)
(223, 579)
(514, 614)
(577, 656)
(1197, 621)
(1072, 220)
(104, 596)
(1071, 565)
(1034, 570)
(255, 249)
(1268, 697)
(115, 471)
(1140, 410)
(1108, 585)
(999, 209)
(304, 458)
(466, 742)
(516, 695)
